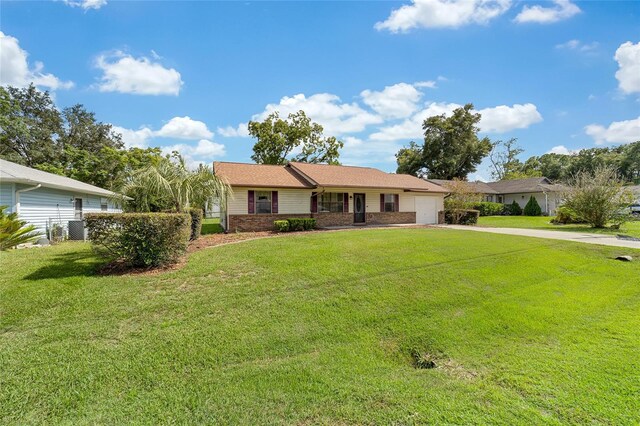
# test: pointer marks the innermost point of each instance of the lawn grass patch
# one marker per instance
(320, 328)
(211, 226)
(631, 228)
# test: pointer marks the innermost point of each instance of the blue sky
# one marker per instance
(557, 75)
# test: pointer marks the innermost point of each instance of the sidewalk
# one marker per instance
(580, 237)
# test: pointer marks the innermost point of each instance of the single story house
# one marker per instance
(333, 195)
(45, 199)
(546, 193)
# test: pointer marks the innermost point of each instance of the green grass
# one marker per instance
(542, 222)
(211, 226)
(319, 328)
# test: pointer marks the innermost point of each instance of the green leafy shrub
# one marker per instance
(281, 225)
(196, 223)
(487, 208)
(532, 208)
(564, 215)
(140, 239)
(513, 209)
(295, 224)
(461, 216)
(14, 231)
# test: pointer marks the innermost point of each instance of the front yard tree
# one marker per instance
(598, 197)
(451, 149)
(278, 139)
(505, 164)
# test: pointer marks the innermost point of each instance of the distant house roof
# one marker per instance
(478, 187)
(12, 172)
(304, 175)
(259, 175)
(516, 186)
(361, 177)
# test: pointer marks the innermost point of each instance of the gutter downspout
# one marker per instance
(20, 191)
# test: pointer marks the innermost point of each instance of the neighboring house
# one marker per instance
(44, 199)
(547, 194)
(333, 195)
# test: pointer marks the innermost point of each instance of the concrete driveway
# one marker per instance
(580, 237)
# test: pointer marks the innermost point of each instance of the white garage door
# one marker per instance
(426, 210)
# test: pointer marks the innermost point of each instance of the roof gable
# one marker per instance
(259, 175)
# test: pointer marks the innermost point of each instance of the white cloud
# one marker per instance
(15, 70)
(578, 45)
(618, 132)
(397, 101)
(184, 128)
(134, 138)
(563, 150)
(125, 74)
(498, 119)
(412, 127)
(86, 4)
(562, 9)
(201, 153)
(360, 152)
(443, 14)
(504, 118)
(429, 84)
(242, 131)
(628, 74)
(326, 109)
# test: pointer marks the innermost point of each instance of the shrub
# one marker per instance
(487, 208)
(140, 239)
(565, 215)
(513, 209)
(532, 208)
(295, 224)
(14, 231)
(598, 197)
(461, 216)
(281, 225)
(196, 223)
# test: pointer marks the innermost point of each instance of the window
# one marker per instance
(500, 199)
(331, 202)
(263, 202)
(389, 203)
(104, 205)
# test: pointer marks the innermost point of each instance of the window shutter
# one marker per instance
(396, 202)
(345, 202)
(314, 202)
(274, 202)
(251, 208)
(382, 202)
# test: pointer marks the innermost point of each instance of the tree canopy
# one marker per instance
(279, 139)
(451, 148)
(71, 142)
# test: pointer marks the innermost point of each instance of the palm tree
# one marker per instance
(171, 185)
(14, 231)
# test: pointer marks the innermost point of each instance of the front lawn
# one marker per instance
(321, 328)
(544, 222)
(211, 226)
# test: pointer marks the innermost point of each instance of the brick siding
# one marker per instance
(388, 218)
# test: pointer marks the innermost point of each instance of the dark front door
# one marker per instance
(78, 208)
(358, 208)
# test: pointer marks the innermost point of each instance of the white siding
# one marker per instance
(290, 201)
(7, 196)
(42, 205)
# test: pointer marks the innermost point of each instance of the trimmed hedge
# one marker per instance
(532, 208)
(467, 217)
(295, 224)
(140, 239)
(196, 223)
(487, 208)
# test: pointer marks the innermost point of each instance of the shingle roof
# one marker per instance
(12, 172)
(515, 186)
(361, 177)
(259, 175)
(478, 187)
(304, 175)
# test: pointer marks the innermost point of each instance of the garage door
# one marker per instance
(426, 210)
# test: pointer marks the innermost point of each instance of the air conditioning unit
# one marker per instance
(77, 230)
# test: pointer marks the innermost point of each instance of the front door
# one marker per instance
(358, 208)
